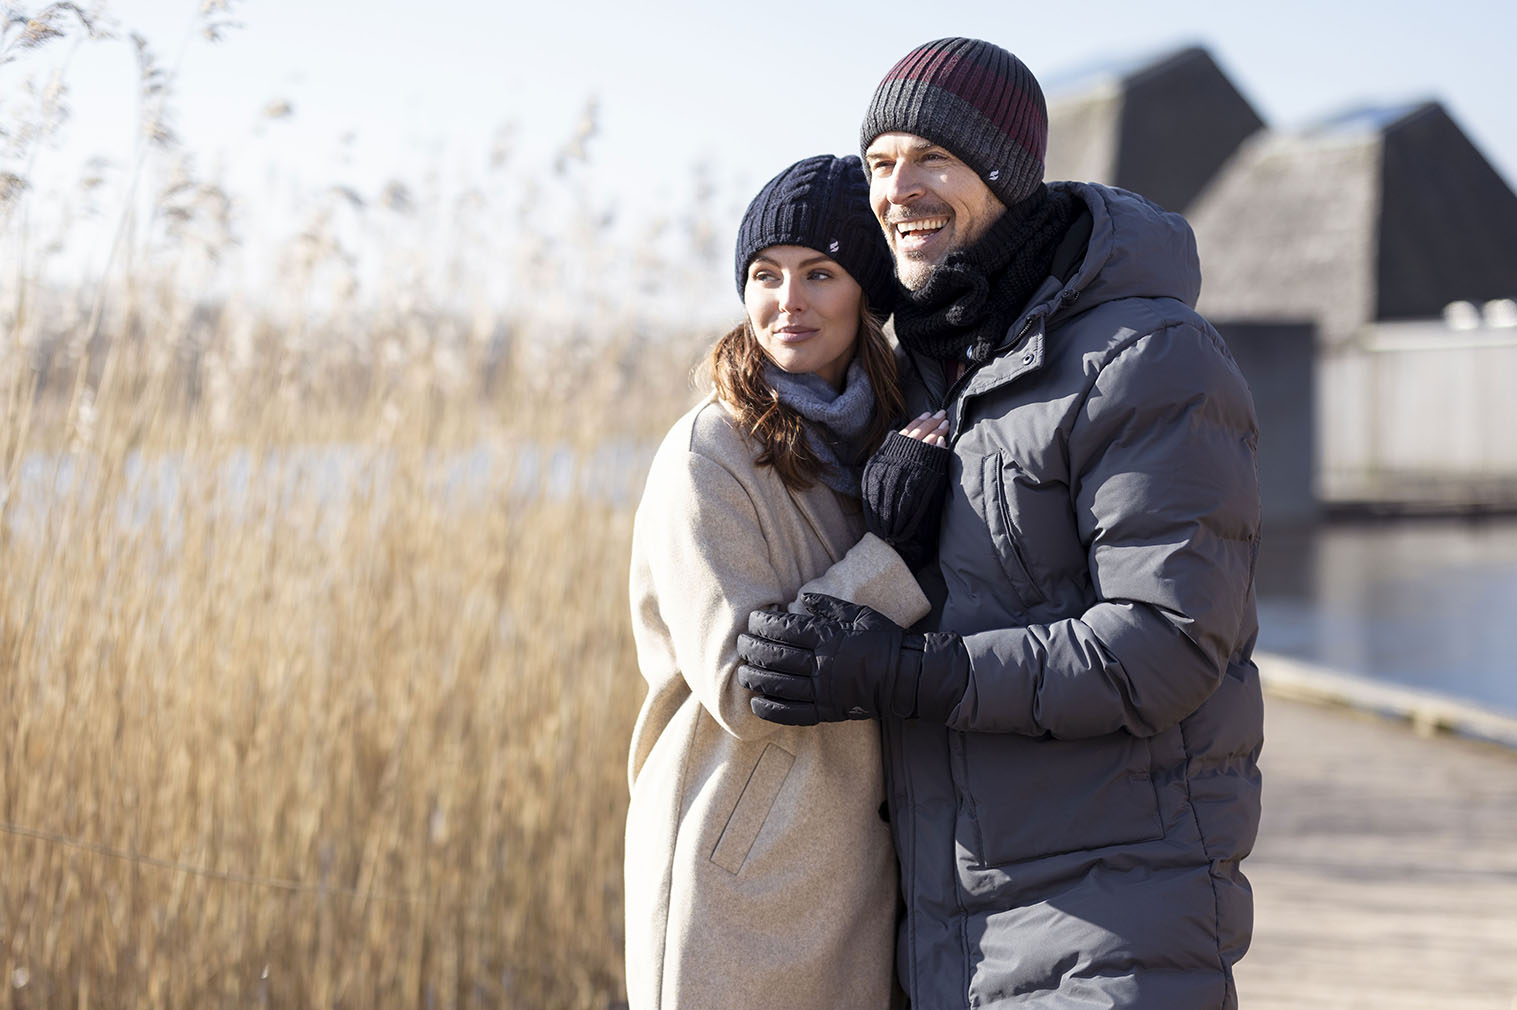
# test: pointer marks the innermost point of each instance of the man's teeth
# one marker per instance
(922, 224)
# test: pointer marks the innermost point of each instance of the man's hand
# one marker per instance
(844, 661)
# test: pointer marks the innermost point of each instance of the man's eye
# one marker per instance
(820, 275)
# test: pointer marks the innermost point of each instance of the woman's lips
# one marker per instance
(794, 334)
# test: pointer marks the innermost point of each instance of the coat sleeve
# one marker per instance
(1165, 490)
(708, 562)
(872, 573)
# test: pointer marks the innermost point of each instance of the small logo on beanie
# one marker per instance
(833, 246)
(995, 173)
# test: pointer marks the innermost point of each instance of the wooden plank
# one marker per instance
(1385, 875)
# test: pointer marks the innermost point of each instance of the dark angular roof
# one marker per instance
(1448, 224)
(1362, 119)
(1161, 126)
(1384, 212)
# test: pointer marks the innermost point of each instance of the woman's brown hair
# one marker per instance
(737, 369)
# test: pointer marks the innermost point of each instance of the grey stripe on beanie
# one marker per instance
(822, 203)
(973, 98)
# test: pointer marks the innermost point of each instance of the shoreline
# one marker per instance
(1429, 713)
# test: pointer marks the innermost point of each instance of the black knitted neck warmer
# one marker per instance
(975, 294)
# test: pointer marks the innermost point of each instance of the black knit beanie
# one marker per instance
(973, 98)
(822, 203)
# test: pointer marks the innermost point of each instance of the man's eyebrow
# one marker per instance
(912, 146)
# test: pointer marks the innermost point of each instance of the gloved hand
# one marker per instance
(844, 661)
(903, 487)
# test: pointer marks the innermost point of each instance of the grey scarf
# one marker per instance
(837, 421)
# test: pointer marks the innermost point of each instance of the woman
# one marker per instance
(759, 869)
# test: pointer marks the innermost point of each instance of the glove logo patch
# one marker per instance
(858, 712)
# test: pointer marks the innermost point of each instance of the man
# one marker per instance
(1071, 749)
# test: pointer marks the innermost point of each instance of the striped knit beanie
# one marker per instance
(975, 99)
(822, 203)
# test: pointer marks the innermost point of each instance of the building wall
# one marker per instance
(1421, 416)
(1277, 359)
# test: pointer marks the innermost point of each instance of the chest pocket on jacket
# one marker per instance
(1033, 530)
(1005, 531)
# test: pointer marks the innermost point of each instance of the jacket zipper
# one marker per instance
(969, 372)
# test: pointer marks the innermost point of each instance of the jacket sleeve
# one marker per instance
(709, 564)
(1165, 491)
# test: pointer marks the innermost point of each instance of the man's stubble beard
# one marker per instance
(914, 273)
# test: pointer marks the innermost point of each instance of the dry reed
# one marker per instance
(300, 724)
(316, 671)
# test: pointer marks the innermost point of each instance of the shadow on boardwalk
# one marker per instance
(1385, 875)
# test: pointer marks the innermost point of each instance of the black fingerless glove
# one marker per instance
(903, 487)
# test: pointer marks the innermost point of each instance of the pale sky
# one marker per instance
(755, 86)
(743, 88)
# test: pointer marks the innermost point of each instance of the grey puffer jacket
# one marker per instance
(1072, 838)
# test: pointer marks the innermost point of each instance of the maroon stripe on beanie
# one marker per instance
(910, 67)
(1009, 107)
(920, 66)
(998, 97)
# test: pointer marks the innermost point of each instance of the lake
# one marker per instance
(1423, 602)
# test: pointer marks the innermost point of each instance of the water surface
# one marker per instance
(1427, 603)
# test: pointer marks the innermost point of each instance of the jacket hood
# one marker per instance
(1137, 249)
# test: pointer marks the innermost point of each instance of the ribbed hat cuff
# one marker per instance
(1011, 174)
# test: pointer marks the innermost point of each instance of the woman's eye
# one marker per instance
(820, 275)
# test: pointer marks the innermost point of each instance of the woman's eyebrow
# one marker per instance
(808, 261)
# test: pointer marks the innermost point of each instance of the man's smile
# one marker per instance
(913, 234)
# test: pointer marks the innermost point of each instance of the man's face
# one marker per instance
(928, 201)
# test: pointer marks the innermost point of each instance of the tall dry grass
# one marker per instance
(339, 727)
(315, 661)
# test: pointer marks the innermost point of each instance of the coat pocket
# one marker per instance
(1029, 798)
(1005, 533)
(758, 796)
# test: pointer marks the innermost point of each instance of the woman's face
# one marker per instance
(804, 309)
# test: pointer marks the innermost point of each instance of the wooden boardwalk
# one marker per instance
(1385, 876)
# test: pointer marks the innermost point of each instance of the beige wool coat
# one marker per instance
(759, 873)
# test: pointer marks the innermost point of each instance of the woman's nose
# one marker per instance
(792, 298)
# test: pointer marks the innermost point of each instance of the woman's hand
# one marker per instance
(903, 487)
(929, 428)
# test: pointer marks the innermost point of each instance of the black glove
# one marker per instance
(845, 661)
(903, 488)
